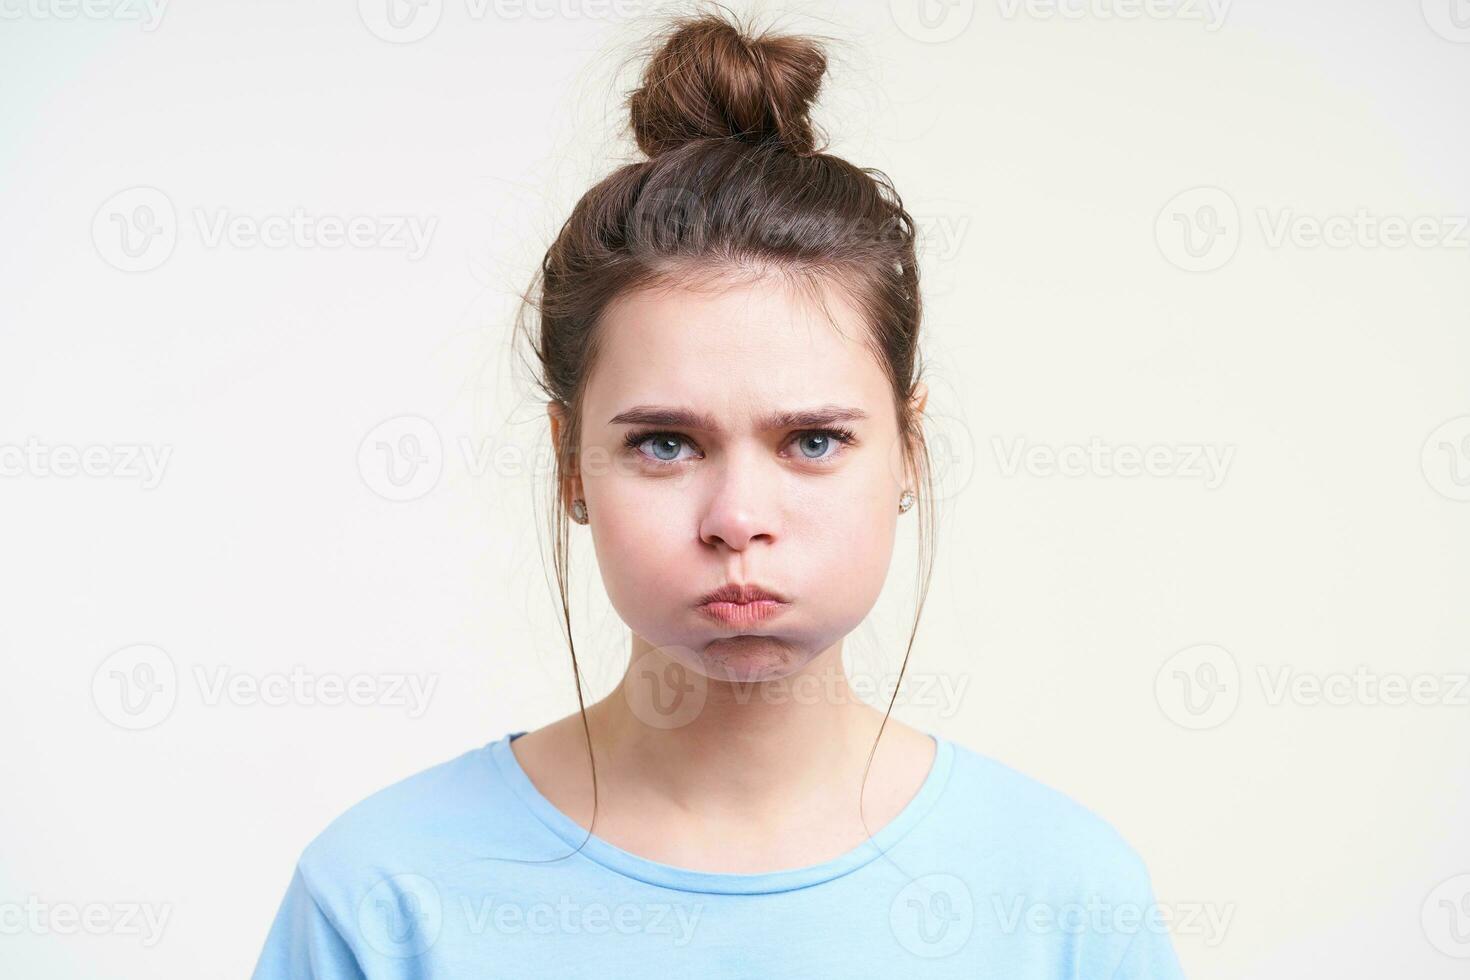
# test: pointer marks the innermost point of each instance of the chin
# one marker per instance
(750, 658)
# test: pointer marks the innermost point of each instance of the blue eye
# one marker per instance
(666, 443)
(815, 445)
(822, 441)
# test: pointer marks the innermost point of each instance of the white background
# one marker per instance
(1044, 153)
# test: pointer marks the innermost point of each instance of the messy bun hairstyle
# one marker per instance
(709, 81)
(734, 188)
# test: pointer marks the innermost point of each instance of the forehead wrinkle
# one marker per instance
(734, 356)
(778, 308)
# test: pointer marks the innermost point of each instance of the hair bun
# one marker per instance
(709, 80)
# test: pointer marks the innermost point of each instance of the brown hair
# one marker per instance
(734, 185)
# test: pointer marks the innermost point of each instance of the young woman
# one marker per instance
(728, 341)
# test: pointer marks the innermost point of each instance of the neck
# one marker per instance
(746, 750)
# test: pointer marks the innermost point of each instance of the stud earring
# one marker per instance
(905, 501)
(579, 511)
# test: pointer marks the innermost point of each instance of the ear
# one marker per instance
(572, 480)
(918, 397)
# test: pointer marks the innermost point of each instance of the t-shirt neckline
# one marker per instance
(691, 880)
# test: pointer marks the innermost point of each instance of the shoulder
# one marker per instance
(453, 812)
(1039, 831)
(1044, 873)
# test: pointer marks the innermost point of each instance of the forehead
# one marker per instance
(734, 350)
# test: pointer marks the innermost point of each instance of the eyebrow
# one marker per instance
(683, 418)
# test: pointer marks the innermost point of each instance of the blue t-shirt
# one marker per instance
(466, 870)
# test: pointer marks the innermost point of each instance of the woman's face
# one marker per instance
(731, 493)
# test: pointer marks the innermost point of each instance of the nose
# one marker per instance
(743, 505)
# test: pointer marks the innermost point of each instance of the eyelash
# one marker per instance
(844, 437)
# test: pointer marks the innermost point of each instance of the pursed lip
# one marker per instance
(741, 605)
(744, 593)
